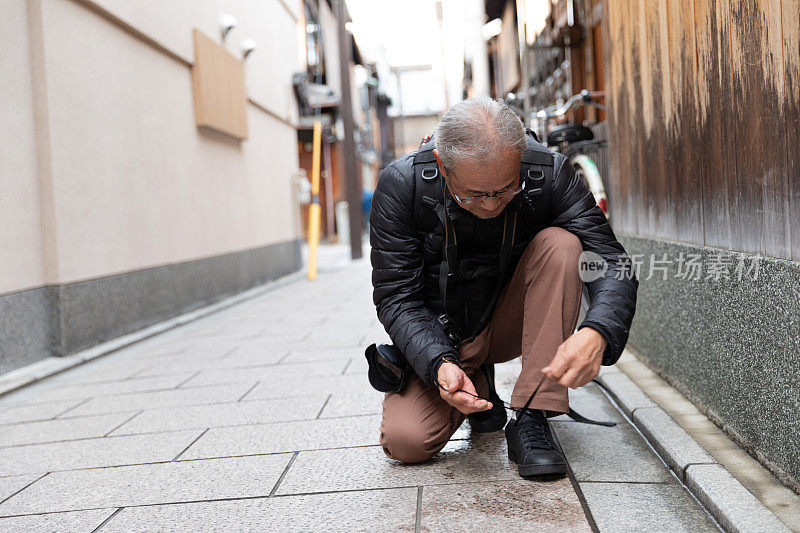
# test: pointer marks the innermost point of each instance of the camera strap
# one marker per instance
(449, 263)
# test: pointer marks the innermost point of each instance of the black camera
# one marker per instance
(388, 368)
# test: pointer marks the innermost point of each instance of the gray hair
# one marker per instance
(478, 129)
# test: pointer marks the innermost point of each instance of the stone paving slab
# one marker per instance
(285, 437)
(550, 506)
(336, 335)
(246, 329)
(263, 344)
(90, 453)
(277, 388)
(253, 358)
(82, 375)
(48, 523)
(181, 481)
(202, 358)
(10, 485)
(84, 391)
(200, 350)
(645, 507)
(358, 365)
(482, 458)
(86, 375)
(598, 453)
(592, 403)
(323, 346)
(139, 383)
(352, 313)
(301, 355)
(169, 398)
(288, 372)
(225, 414)
(505, 376)
(173, 341)
(30, 413)
(368, 511)
(367, 402)
(185, 364)
(60, 429)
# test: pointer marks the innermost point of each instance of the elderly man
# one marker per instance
(476, 239)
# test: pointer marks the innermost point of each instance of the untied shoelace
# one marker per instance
(521, 410)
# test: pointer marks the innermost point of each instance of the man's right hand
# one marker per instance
(452, 378)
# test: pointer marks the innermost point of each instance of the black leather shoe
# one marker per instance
(532, 447)
(492, 420)
(495, 418)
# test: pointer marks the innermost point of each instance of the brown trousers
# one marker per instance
(535, 313)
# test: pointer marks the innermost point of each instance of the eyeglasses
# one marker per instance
(504, 193)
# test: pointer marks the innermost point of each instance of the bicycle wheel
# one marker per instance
(587, 170)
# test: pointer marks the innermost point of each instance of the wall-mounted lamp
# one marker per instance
(226, 23)
(248, 47)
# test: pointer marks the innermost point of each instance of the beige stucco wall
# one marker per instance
(21, 262)
(134, 183)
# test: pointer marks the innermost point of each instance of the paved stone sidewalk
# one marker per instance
(260, 417)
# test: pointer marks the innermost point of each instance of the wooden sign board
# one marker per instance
(220, 96)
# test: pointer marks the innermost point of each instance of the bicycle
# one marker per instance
(576, 141)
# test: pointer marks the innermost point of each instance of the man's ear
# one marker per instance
(439, 162)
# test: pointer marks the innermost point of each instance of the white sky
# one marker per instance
(398, 34)
(406, 30)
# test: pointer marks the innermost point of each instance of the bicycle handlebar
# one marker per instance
(585, 97)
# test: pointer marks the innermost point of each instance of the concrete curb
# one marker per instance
(21, 377)
(734, 507)
(724, 497)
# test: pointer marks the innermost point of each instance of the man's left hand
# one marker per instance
(578, 359)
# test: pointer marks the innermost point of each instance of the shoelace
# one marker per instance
(522, 411)
(535, 435)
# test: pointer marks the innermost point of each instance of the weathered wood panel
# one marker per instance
(618, 74)
(704, 100)
(715, 154)
(790, 28)
(660, 160)
(761, 184)
(641, 194)
(682, 126)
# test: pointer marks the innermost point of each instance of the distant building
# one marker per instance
(318, 90)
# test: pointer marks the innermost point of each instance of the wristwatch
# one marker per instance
(448, 359)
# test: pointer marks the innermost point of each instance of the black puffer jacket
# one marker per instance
(407, 306)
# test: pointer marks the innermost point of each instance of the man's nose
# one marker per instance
(492, 203)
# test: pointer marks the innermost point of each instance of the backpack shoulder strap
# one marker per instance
(536, 175)
(426, 184)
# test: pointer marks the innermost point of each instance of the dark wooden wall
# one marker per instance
(704, 121)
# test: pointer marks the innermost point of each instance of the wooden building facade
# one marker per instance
(704, 121)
